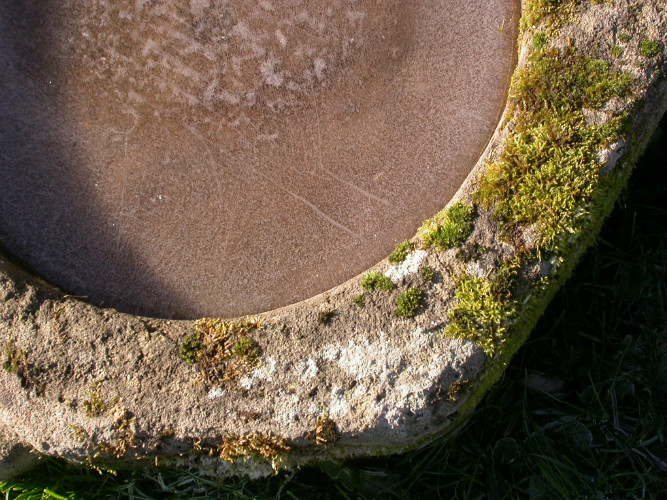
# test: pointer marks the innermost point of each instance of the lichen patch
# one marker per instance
(408, 266)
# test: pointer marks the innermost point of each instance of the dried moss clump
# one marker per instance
(449, 228)
(325, 431)
(409, 302)
(324, 317)
(376, 281)
(94, 406)
(125, 436)
(455, 388)
(223, 350)
(401, 252)
(268, 446)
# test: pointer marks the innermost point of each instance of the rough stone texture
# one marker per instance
(384, 381)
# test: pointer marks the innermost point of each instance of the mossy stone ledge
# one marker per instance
(384, 362)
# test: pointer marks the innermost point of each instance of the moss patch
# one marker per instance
(222, 350)
(401, 252)
(15, 359)
(409, 302)
(268, 446)
(247, 348)
(549, 169)
(189, 348)
(649, 48)
(486, 307)
(16, 362)
(448, 228)
(376, 281)
(554, 12)
(360, 300)
(540, 40)
(427, 273)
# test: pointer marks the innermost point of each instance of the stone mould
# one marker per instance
(384, 362)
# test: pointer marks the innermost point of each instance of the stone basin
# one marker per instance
(382, 363)
(188, 159)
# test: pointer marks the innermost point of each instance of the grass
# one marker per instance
(580, 412)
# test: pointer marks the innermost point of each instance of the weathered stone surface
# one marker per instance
(324, 378)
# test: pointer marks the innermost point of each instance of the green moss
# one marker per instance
(360, 300)
(624, 38)
(540, 40)
(485, 308)
(549, 169)
(376, 281)
(401, 252)
(16, 362)
(554, 12)
(409, 302)
(247, 348)
(649, 48)
(324, 317)
(449, 228)
(190, 347)
(15, 359)
(427, 273)
(617, 51)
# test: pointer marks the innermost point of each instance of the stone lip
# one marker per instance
(322, 379)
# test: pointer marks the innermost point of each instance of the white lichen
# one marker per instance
(409, 266)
